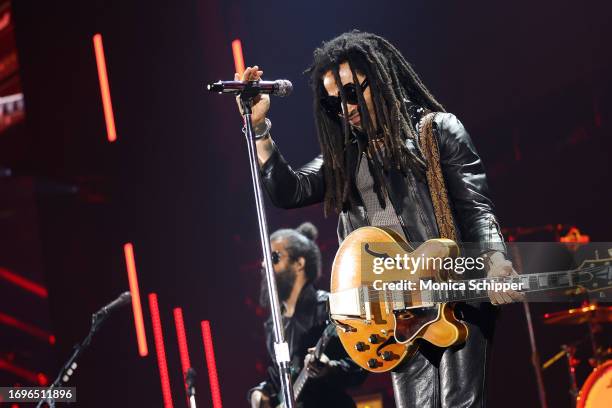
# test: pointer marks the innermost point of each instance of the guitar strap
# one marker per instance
(428, 142)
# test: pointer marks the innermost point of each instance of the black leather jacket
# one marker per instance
(302, 331)
(463, 172)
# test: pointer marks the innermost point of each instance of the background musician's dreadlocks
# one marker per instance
(392, 80)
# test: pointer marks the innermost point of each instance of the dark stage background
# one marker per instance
(530, 80)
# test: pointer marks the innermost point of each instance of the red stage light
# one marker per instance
(160, 350)
(27, 328)
(5, 20)
(20, 372)
(211, 364)
(181, 338)
(141, 335)
(24, 283)
(107, 105)
(42, 379)
(238, 57)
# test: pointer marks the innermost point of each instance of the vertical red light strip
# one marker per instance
(107, 105)
(181, 338)
(141, 335)
(160, 350)
(238, 57)
(211, 364)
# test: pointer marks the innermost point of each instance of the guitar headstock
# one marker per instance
(599, 278)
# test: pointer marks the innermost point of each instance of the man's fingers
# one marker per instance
(507, 270)
(516, 296)
(496, 298)
(501, 298)
(252, 74)
(246, 73)
(249, 74)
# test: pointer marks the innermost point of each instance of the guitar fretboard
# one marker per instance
(478, 289)
(529, 283)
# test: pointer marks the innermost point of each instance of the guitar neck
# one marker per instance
(299, 383)
(429, 291)
(302, 378)
(478, 289)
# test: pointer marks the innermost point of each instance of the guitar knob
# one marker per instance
(360, 346)
(372, 363)
(387, 355)
(373, 339)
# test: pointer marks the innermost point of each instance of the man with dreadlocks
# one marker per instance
(372, 112)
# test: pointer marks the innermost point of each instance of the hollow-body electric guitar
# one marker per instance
(378, 327)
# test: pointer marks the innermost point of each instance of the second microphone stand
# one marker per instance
(281, 348)
(71, 365)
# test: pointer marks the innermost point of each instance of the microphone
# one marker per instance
(123, 299)
(280, 87)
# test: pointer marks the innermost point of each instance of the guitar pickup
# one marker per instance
(349, 302)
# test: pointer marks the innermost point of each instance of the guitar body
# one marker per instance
(379, 333)
(438, 325)
(371, 358)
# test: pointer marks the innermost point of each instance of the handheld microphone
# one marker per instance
(280, 87)
(123, 299)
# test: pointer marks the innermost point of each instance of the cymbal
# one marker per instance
(580, 315)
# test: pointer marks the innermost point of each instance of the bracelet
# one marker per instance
(265, 133)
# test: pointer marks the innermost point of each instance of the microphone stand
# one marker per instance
(70, 366)
(535, 355)
(281, 348)
(190, 383)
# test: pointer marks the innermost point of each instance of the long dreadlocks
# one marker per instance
(395, 87)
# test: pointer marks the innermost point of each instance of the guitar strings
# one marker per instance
(502, 279)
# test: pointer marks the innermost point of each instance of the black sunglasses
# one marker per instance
(276, 257)
(333, 104)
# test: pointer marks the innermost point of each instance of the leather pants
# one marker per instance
(449, 377)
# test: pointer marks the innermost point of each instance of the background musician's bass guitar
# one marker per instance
(380, 327)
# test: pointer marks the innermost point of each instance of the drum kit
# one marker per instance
(596, 392)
